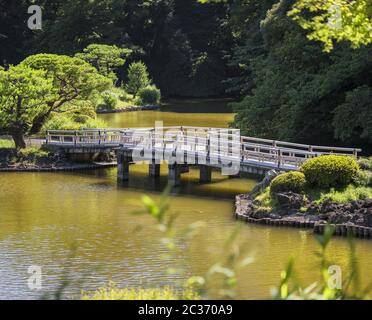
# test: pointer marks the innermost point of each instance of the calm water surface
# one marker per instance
(81, 224)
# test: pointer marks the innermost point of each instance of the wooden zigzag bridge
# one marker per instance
(184, 146)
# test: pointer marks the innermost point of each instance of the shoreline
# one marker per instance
(243, 209)
(318, 228)
(129, 109)
(73, 167)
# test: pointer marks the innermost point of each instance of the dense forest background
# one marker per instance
(286, 86)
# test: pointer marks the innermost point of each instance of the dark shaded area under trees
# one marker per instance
(286, 85)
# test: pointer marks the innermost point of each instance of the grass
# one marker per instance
(266, 199)
(350, 193)
(5, 143)
(164, 293)
(347, 194)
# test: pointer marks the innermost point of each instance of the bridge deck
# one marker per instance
(220, 147)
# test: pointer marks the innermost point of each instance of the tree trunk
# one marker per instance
(19, 139)
(38, 123)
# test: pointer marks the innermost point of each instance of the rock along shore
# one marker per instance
(72, 167)
(128, 109)
(293, 211)
(13, 161)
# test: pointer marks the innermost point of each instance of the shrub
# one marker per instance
(138, 77)
(109, 101)
(348, 194)
(5, 143)
(61, 122)
(291, 181)
(365, 163)
(94, 123)
(330, 171)
(123, 96)
(32, 154)
(73, 122)
(364, 178)
(149, 95)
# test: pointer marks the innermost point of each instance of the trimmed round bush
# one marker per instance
(149, 95)
(330, 171)
(290, 181)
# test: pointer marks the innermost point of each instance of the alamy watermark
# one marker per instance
(34, 281)
(188, 145)
(335, 18)
(335, 277)
(34, 22)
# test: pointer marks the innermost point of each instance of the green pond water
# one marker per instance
(81, 224)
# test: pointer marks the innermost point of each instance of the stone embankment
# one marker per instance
(293, 210)
(128, 109)
(12, 160)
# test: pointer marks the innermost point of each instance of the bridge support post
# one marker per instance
(184, 168)
(174, 174)
(233, 176)
(123, 166)
(154, 170)
(205, 174)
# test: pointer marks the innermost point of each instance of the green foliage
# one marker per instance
(24, 93)
(73, 78)
(94, 123)
(350, 193)
(164, 293)
(149, 95)
(363, 178)
(365, 163)
(106, 58)
(138, 77)
(60, 122)
(7, 144)
(109, 101)
(291, 86)
(330, 171)
(290, 181)
(42, 85)
(147, 27)
(339, 20)
(74, 81)
(353, 118)
(68, 122)
(290, 289)
(33, 153)
(123, 95)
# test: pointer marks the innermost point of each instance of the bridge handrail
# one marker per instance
(104, 133)
(299, 145)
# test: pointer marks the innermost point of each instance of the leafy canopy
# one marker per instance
(73, 80)
(43, 84)
(24, 93)
(335, 20)
(106, 58)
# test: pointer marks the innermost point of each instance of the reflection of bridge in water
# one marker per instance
(183, 146)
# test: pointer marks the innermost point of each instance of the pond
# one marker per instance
(80, 226)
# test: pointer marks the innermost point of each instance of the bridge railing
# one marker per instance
(299, 146)
(212, 141)
(83, 137)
